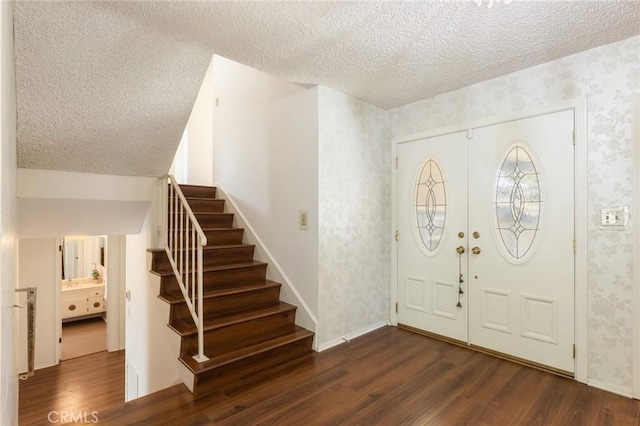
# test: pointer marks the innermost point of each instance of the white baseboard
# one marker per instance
(352, 335)
(618, 390)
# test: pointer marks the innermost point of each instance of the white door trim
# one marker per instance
(635, 137)
(116, 277)
(579, 106)
(57, 295)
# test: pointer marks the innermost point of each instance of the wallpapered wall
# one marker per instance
(606, 76)
(354, 212)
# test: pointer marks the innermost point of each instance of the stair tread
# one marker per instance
(225, 291)
(221, 247)
(198, 191)
(228, 246)
(218, 247)
(245, 352)
(214, 213)
(186, 327)
(191, 185)
(191, 197)
(217, 268)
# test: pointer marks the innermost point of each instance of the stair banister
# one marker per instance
(182, 235)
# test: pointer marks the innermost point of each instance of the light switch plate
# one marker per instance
(303, 220)
(614, 217)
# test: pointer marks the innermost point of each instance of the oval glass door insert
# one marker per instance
(518, 204)
(430, 204)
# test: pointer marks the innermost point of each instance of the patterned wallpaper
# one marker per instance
(606, 76)
(354, 215)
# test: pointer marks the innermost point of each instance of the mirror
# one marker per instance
(81, 255)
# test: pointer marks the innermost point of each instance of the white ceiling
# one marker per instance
(107, 87)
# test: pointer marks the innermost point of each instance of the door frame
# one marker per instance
(635, 137)
(115, 255)
(579, 107)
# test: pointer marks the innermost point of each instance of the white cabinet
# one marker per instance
(83, 300)
(73, 305)
(95, 305)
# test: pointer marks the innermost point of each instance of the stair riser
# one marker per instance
(234, 375)
(228, 256)
(220, 279)
(211, 206)
(198, 191)
(204, 205)
(160, 262)
(231, 303)
(239, 335)
(224, 237)
(217, 220)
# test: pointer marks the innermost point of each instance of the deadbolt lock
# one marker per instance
(476, 235)
(460, 234)
(476, 250)
(460, 250)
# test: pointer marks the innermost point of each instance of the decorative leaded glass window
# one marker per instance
(430, 204)
(518, 203)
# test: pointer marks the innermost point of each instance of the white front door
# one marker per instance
(521, 204)
(432, 191)
(505, 195)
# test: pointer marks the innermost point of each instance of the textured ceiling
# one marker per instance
(107, 87)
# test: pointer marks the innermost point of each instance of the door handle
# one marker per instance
(460, 250)
(476, 250)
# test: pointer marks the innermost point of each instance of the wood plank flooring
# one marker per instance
(387, 377)
(90, 383)
(83, 337)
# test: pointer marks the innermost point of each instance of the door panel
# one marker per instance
(432, 200)
(510, 190)
(521, 206)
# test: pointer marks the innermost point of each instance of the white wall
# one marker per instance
(200, 134)
(278, 149)
(37, 268)
(265, 150)
(54, 203)
(355, 217)
(607, 77)
(152, 348)
(8, 231)
(180, 166)
(54, 184)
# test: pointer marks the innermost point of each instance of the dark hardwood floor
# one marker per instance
(387, 377)
(85, 384)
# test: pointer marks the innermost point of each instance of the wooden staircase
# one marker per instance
(247, 328)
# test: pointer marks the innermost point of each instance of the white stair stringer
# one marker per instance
(172, 339)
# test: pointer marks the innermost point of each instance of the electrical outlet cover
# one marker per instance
(614, 217)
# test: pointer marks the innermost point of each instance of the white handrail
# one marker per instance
(183, 241)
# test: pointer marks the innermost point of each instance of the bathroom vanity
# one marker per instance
(82, 297)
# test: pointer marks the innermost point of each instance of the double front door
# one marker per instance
(486, 237)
